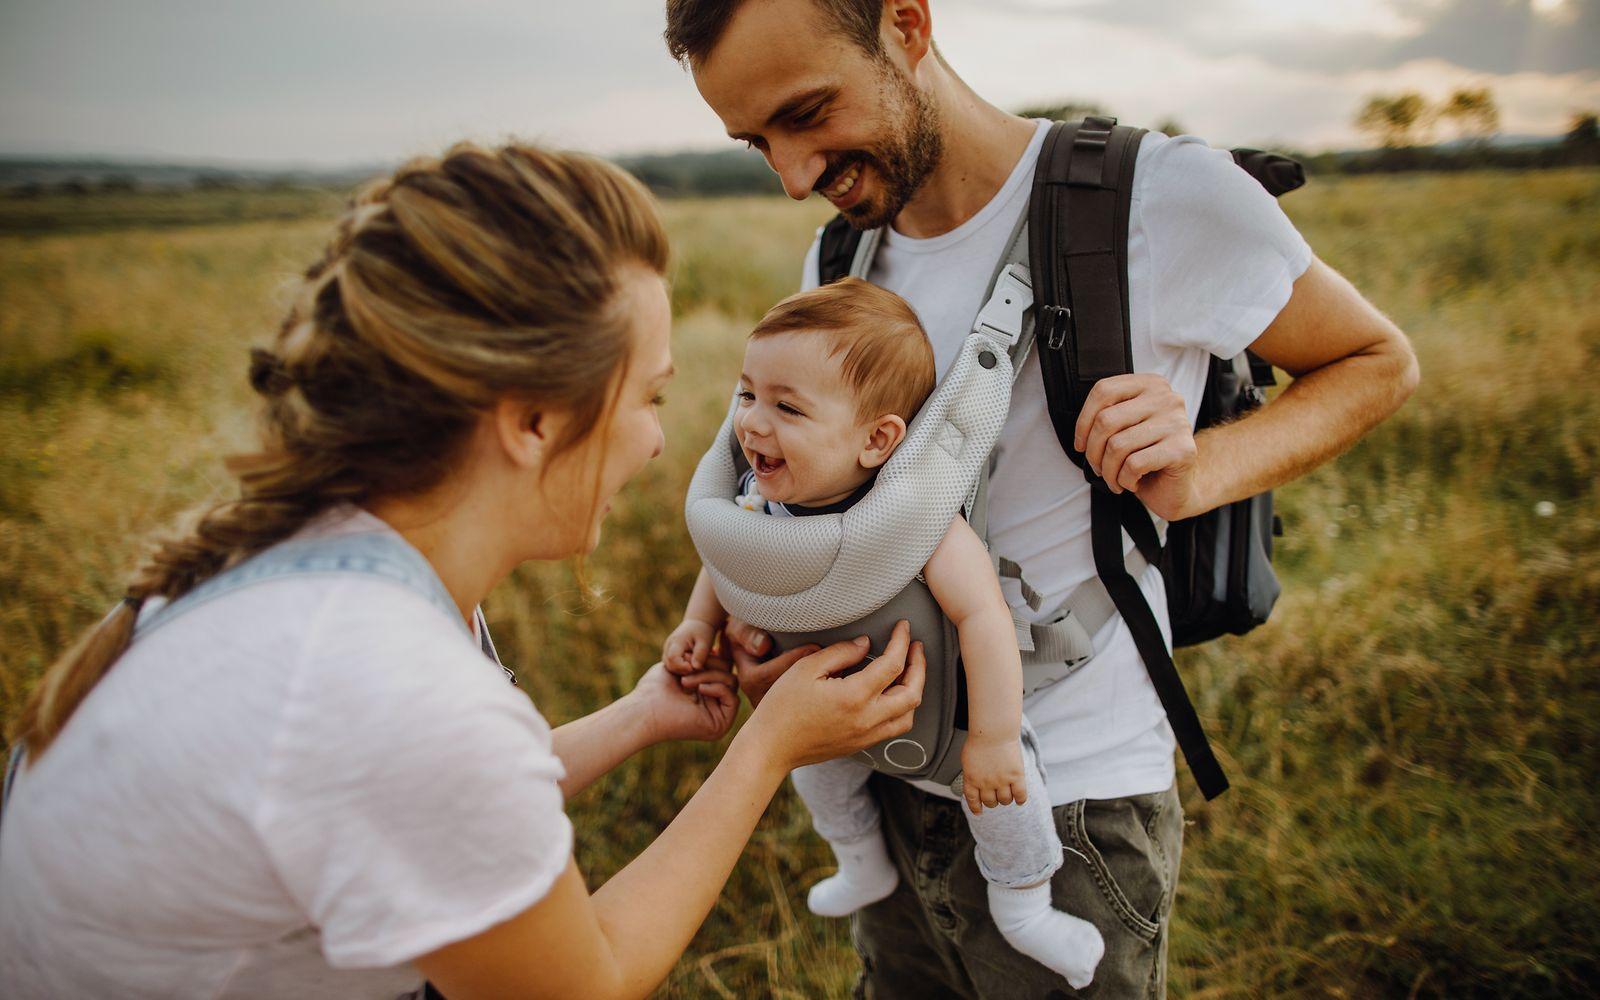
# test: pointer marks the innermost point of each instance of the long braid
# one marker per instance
(445, 287)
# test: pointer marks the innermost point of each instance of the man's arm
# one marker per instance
(1351, 368)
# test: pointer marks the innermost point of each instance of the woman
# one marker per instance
(303, 777)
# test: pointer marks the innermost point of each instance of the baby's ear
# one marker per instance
(883, 437)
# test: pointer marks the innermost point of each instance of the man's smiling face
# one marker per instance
(829, 116)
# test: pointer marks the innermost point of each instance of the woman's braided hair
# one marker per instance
(456, 282)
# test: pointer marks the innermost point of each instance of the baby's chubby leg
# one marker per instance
(844, 813)
(1017, 851)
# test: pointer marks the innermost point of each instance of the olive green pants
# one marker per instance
(933, 937)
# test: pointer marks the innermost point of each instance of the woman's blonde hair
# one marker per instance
(453, 283)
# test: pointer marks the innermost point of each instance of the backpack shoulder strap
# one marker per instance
(837, 250)
(1078, 225)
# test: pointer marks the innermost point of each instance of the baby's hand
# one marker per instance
(991, 773)
(686, 649)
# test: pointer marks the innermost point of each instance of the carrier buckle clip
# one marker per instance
(1002, 316)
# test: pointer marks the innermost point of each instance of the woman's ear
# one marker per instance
(522, 431)
(883, 437)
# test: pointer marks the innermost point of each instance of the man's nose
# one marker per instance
(797, 166)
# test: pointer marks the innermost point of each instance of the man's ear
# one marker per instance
(907, 28)
(522, 431)
(883, 437)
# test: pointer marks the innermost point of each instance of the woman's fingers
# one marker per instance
(713, 675)
(902, 696)
(832, 659)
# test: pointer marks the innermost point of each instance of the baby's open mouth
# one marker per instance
(763, 465)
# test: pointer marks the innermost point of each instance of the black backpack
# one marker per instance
(1217, 566)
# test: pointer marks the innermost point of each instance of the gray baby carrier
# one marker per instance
(828, 577)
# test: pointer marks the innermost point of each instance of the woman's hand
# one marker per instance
(697, 706)
(811, 714)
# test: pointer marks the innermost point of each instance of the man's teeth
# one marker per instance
(845, 183)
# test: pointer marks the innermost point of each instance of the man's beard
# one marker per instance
(901, 164)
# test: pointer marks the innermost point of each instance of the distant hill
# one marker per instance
(695, 173)
(728, 171)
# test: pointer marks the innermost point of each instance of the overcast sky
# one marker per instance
(358, 81)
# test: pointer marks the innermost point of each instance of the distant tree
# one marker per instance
(1584, 132)
(1170, 126)
(1066, 111)
(1394, 121)
(1473, 112)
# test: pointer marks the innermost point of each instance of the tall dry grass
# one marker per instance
(1412, 739)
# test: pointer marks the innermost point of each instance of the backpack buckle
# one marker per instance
(1057, 319)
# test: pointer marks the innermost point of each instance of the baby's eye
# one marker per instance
(785, 407)
(745, 396)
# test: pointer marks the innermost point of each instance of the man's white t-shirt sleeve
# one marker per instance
(1223, 257)
(412, 798)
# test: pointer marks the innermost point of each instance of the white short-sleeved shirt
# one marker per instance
(1211, 261)
(292, 790)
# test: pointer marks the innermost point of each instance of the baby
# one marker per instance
(831, 377)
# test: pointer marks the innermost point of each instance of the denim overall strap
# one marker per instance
(369, 553)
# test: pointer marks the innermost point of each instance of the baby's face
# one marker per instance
(797, 421)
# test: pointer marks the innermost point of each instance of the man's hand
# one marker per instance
(991, 773)
(746, 644)
(1134, 430)
(697, 706)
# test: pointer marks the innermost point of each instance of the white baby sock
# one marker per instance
(1063, 943)
(865, 876)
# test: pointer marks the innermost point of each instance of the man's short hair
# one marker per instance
(887, 359)
(694, 26)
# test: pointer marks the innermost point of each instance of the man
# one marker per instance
(851, 100)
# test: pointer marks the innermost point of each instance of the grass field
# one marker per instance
(1414, 739)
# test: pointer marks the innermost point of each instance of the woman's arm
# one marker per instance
(656, 710)
(623, 940)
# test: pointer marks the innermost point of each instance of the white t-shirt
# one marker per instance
(292, 790)
(1211, 261)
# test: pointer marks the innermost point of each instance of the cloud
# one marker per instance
(1491, 36)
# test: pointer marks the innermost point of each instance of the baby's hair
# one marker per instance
(887, 360)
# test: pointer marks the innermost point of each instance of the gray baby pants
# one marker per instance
(1016, 845)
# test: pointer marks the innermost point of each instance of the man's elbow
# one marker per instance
(1400, 374)
(1408, 374)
